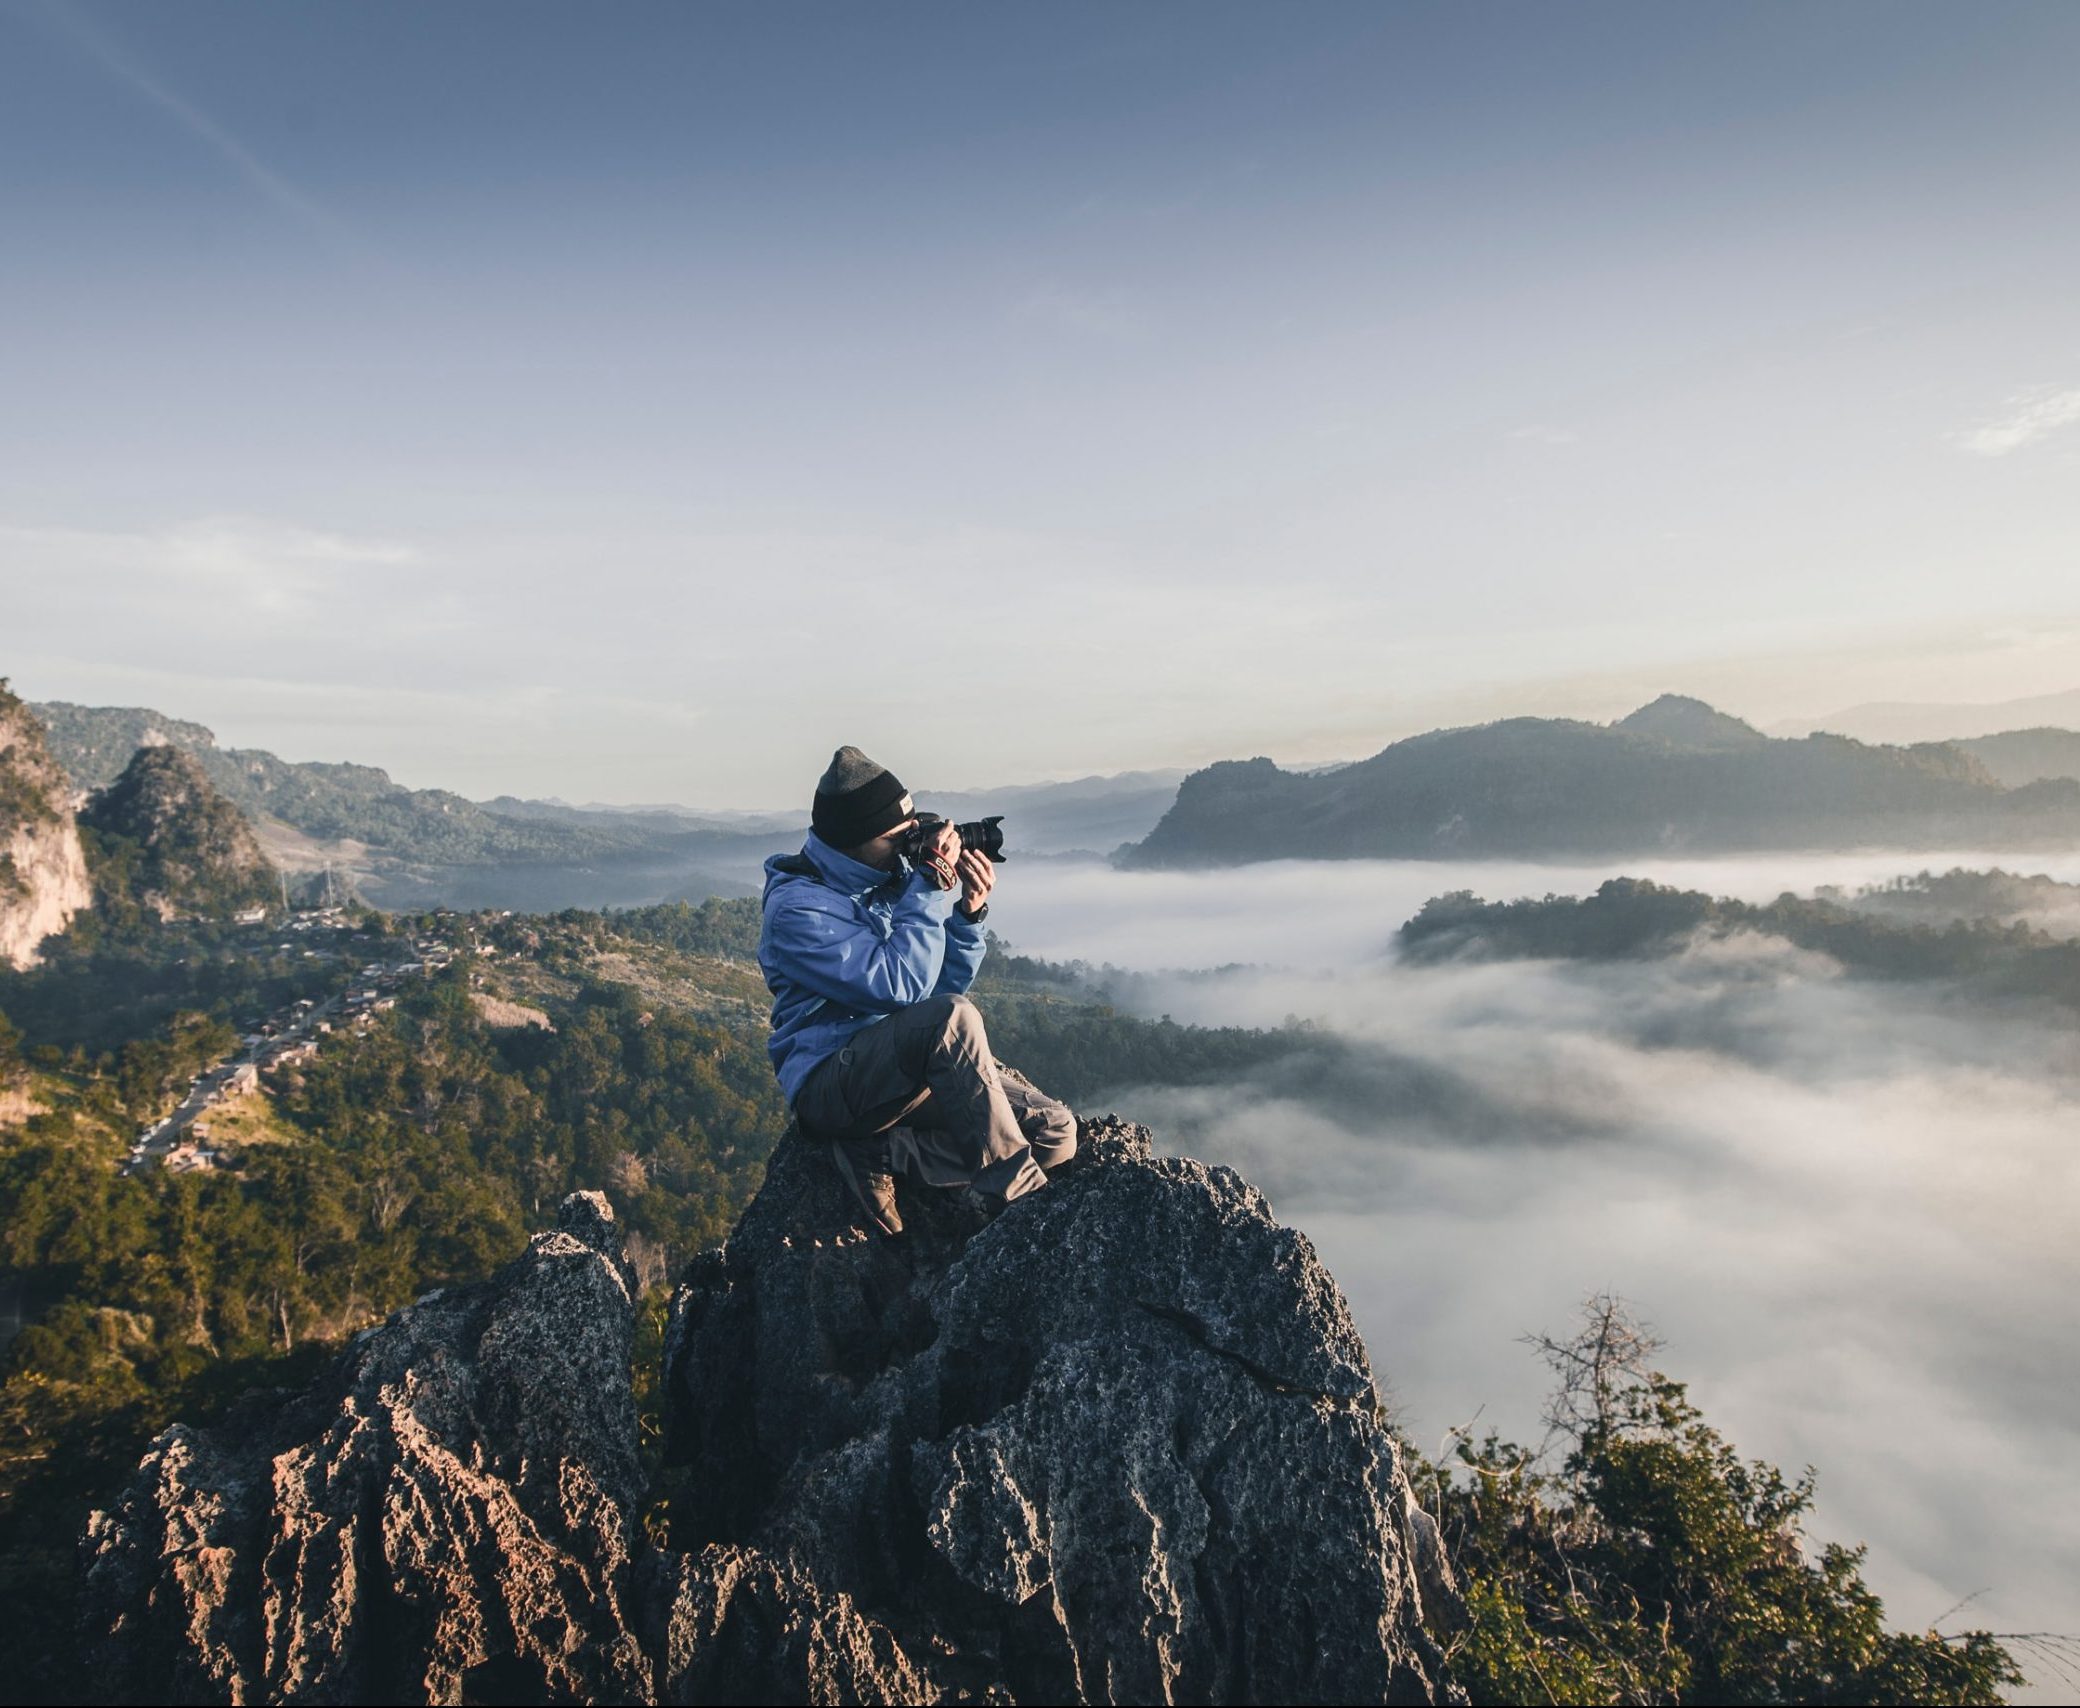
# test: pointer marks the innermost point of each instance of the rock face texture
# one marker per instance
(1119, 1444)
(172, 843)
(447, 1517)
(43, 874)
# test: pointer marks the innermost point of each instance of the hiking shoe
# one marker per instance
(863, 1166)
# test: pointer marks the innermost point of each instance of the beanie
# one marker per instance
(856, 800)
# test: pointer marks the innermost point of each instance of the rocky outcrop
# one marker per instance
(734, 1625)
(43, 874)
(169, 842)
(448, 1516)
(1119, 1444)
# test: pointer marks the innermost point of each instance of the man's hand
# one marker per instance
(940, 855)
(978, 877)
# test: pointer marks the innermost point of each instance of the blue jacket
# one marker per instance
(844, 944)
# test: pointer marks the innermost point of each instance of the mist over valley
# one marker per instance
(1849, 1205)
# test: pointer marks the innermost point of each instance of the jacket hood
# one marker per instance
(840, 871)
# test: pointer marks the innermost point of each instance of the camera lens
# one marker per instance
(986, 834)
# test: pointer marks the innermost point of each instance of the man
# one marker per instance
(877, 1049)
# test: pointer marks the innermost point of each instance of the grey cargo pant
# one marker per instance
(955, 1116)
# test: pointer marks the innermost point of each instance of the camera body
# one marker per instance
(986, 834)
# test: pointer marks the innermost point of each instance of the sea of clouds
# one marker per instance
(1851, 1209)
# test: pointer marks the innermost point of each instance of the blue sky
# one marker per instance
(636, 402)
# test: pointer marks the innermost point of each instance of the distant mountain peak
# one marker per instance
(1682, 721)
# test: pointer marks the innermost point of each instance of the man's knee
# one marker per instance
(941, 1028)
(1052, 1134)
(954, 1017)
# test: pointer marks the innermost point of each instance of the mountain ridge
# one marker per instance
(1676, 775)
(1935, 720)
(2020, 756)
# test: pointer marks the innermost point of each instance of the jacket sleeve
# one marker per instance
(966, 944)
(819, 940)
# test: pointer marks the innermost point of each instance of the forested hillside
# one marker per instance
(1631, 918)
(1940, 898)
(2019, 756)
(162, 839)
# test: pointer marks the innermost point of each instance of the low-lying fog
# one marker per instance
(1849, 1208)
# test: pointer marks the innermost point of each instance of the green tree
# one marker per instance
(1653, 1565)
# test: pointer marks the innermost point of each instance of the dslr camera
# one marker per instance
(986, 834)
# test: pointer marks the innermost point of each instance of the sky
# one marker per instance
(636, 403)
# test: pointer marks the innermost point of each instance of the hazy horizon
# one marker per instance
(531, 403)
(1893, 723)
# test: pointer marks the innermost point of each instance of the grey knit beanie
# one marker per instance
(856, 800)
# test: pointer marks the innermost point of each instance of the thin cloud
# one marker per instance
(207, 589)
(2031, 416)
(122, 65)
(271, 564)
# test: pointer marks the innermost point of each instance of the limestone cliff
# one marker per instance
(1119, 1444)
(43, 874)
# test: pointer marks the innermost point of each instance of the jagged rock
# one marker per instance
(736, 1626)
(43, 872)
(452, 1514)
(448, 1516)
(1120, 1444)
